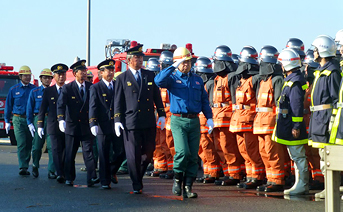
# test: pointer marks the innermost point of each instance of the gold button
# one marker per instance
(148, 89)
(138, 100)
(147, 99)
(139, 110)
(106, 100)
(79, 120)
(110, 108)
(148, 109)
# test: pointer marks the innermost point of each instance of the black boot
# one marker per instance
(187, 188)
(178, 177)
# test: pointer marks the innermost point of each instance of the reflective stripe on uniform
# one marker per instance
(320, 107)
(317, 75)
(264, 109)
(243, 128)
(297, 119)
(282, 111)
(263, 130)
(290, 143)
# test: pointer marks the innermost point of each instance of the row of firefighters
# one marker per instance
(266, 131)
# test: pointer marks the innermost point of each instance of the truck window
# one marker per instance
(6, 84)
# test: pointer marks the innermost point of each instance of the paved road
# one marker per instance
(29, 194)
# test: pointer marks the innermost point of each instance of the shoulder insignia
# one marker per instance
(178, 81)
(196, 82)
(17, 93)
(39, 97)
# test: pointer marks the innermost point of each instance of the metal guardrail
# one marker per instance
(334, 165)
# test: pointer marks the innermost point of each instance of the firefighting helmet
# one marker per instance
(46, 72)
(223, 52)
(181, 53)
(166, 57)
(203, 65)
(325, 46)
(289, 59)
(153, 65)
(249, 55)
(297, 45)
(235, 58)
(309, 59)
(89, 74)
(25, 70)
(339, 36)
(269, 54)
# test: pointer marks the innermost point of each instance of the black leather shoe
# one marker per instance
(199, 179)
(208, 180)
(150, 167)
(122, 172)
(93, 182)
(253, 184)
(187, 188)
(157, 173)
(169, 174)
(114, 179)
(262, 187)
(178, 178)
(137, 192)
(106, 186)
(230, 182)
(23, 171)
(60, 179)
(274, 188)
(35, 172)
(243, 184)
(52, 175)
(69, 183)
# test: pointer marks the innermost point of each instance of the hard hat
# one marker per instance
(89, 74)
(203, 65)
(325, 45)
(269, 54)
(289, 59)
(223, 53)
(153, 64)
(235, 58)
(339, 36)
(309, 59)
(249, 55)
(166, 57)
(46, 72)
(25, 70)
(181, 53)
(297, 45)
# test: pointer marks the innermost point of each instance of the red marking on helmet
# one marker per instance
(133, 44)
(209, 66)
(229, 54)
(181, 56)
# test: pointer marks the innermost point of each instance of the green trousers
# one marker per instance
(24, 141)
(186, 134)
(37, 145)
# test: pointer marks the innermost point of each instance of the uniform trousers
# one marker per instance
(209, 156)
(139, 147)
(313, 158)
(58, 152)
(24, 141)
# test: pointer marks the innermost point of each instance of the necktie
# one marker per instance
(138, 78)
(110, 87)
(82, 92)
(59, 90)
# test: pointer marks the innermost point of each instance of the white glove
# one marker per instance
(94, 130)
(40, 132)
(62, 125)
(32, 129)
(178, 62)
(161, 122)
(117, 127)
(7, 127)
(210, 125)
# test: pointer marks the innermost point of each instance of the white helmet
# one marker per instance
(339, 36)
(289, 59)
(325, 45)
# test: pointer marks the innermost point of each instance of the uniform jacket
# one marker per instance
(101, 103)
(291, 111)
(325, 91)
(336, 136)
(34, 102)
(49, 105)
(17, 100)
(134, 104)
(74, 110)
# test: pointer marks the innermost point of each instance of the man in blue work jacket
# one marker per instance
(187, 99)
(16, 103)
(32, 110)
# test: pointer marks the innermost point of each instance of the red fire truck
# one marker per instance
(8, 78)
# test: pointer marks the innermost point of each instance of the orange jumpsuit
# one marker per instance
(242, 125)
(272, 153)
(225, 140)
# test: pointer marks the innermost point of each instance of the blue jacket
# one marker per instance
(291, 111)
(17, 99)
(34, 102)
(186, 92)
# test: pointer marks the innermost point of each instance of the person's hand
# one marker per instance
(40, 132)
(161, 122)
(32, 129)
(62, 125)
(210, 125)
(178, 62)
(117, 127)
(94, 130)
(7, 127)
(296, 133)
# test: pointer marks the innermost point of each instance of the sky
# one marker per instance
(41, 33)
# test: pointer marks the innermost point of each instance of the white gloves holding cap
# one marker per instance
(7, 127)
(32, 129)
(117, 127)
(62, 125)
(210, 125)
(94, 130)
(161, 122)
(40, 132)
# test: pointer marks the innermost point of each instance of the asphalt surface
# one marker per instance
(20, 193)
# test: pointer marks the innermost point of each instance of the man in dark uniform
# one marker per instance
(101, 121)
(48, 106)
(136, 94)
(72, 110)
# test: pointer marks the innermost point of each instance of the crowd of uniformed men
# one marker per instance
(257, 121)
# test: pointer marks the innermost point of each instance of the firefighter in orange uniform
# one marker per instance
(243, 117)
(269, 90)
(225, 140)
